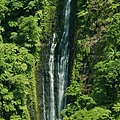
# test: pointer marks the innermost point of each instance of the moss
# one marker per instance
(32, 97)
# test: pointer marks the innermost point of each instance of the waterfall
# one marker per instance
(63, 60)
(44, 111)
(55, 80)
(51, 72)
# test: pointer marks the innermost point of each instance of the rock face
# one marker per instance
(54, 61)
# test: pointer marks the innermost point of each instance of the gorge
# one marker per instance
(57, 80)
(60, 60)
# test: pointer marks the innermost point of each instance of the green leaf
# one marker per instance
(4, 91)
(15, 117)
(116, 107)
(24, 67)
(8, 96)
(14, 35)
(82, 13)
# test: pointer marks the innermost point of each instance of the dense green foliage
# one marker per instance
(20, 35)
(24, 26)
(15, 65)
(94, 91)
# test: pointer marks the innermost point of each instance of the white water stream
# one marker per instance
(54, 100)
(63, 60)
(51, 72)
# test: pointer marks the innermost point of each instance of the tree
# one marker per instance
(28, 33)
(3, 9)
(15, 67)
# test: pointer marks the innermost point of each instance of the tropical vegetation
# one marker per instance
(94, 89)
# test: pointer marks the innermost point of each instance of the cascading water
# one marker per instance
(63, 58)
(55, 82)
(44, 111)
(51, 72)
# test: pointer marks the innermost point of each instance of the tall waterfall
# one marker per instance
(51, 72)
(63, 60)
(55, 82)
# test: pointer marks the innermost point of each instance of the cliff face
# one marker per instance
(48, 29)
(94, 48)
(53, 24)
(27, 29)
(95, 39)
